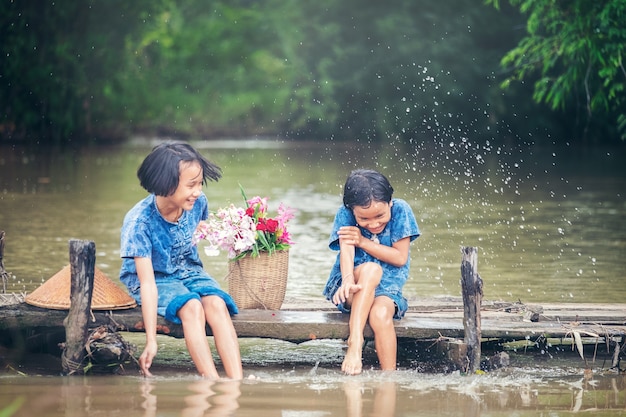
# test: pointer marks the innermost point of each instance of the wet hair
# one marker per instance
(365, 186)
(160, 171)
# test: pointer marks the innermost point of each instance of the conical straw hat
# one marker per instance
(55, 293)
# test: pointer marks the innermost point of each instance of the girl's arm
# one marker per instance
(396, 255)
(149, 300)
(346, 264)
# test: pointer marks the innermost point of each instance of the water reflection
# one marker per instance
(204, 398)
(384, 402)
(150, 400)
(291, 393)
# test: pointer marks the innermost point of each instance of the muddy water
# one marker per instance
(320, 392)
(550, 225)
(284, 379)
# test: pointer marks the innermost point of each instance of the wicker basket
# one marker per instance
(259, 282)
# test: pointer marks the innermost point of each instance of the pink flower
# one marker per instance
(241, 231)
(260, 206)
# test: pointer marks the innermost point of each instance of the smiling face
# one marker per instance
(375, 217)
(189, 185)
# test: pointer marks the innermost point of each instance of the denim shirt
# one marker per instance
(402, 224)
(146, 234)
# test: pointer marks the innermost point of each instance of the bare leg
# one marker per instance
(224, 334)
(381, 320)
(367, 275)
(194, 328)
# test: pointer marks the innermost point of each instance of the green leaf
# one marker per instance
(243, 194)
(13, 407)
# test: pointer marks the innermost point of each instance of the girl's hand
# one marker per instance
(350, 235)
(145, 360)
(345, 292)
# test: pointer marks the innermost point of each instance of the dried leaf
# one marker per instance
(590, 334)
(579, 344)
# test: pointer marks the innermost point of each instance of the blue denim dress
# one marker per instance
(178, 270)
(401, 225)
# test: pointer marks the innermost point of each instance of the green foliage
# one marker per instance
(58, 67)
(574, 51)
(381, 70)
(405, 70)
(210, 66)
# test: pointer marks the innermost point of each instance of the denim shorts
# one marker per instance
(174, 292)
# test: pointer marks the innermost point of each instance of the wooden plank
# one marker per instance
(301, 325)
(453, 307)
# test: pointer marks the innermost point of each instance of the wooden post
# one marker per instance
(4, 275)
(82, 262)
(472, 287)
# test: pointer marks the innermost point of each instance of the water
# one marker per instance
(550, 225)
(299, 393)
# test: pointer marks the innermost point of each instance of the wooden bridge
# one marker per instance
(435, 319)
(302, 320)
(431, 321)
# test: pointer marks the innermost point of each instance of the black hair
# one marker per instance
(365, 186)
(160, 171)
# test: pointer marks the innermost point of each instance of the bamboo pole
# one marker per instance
(472, 288)
(82, 261)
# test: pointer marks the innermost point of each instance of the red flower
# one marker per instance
(267, 225)
(272, 225)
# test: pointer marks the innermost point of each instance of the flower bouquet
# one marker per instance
(257, 246)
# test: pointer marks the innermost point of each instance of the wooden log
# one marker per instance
(430, 322)
(472, 289)
(82, 261)
(454, 351)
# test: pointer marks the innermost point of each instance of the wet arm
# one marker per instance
(346, 264)
(149, 299)
(396, 255)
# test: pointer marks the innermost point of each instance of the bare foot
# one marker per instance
(353, 362)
